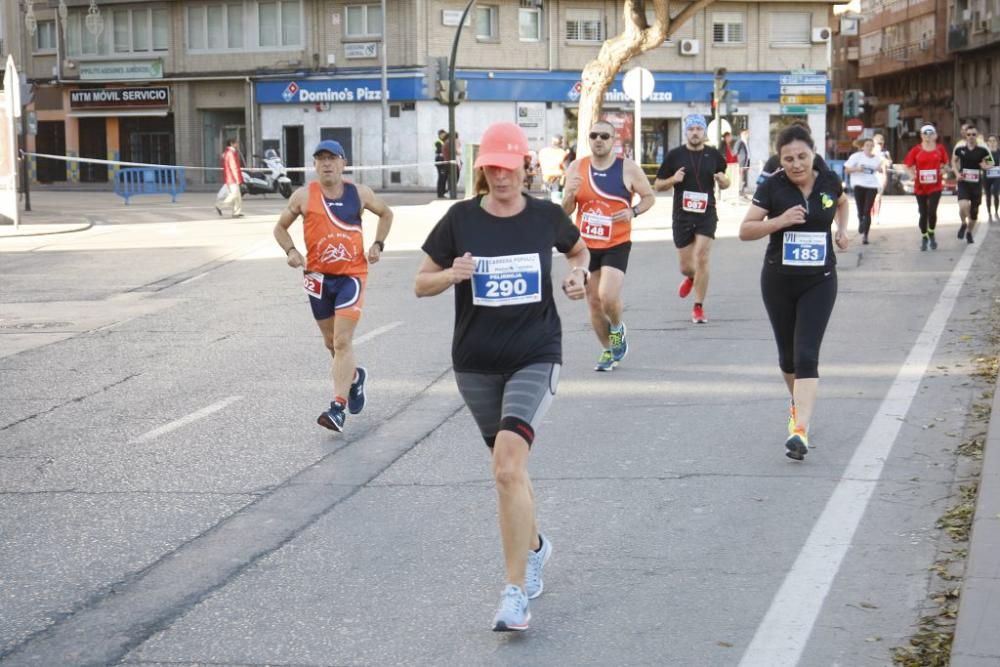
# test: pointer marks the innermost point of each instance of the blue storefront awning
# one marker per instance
(518, 86)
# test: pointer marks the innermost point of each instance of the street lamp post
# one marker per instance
(452, 176)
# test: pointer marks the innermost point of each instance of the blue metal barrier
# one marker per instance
(150, 181)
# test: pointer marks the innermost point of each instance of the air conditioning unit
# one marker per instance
(820, 35)
(690, 47)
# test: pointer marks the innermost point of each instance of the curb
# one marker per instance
(977, 642)
(52, 228)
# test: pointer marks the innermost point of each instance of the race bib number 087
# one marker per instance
(508, 280)
(694, 202)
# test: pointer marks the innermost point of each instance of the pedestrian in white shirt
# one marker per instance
(864, 167)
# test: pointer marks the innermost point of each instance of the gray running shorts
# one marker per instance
(509, 401)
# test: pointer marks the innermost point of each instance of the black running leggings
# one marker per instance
(927, 205)
(799, 308)
(992, 191)
(865, 199)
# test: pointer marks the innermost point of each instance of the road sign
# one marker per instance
(802, 108)
(855, 127)
(803, 99)
(638, 82)
(803, 93)
(803, 90)
(803, 80)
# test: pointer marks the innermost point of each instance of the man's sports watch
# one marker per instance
(381, 245)
(635, 211)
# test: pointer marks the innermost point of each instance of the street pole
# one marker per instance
(452, 175)
(385, 105)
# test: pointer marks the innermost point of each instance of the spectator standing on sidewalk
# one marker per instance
(742, 150)
(442, 169)
(232, 176)
(552, 159)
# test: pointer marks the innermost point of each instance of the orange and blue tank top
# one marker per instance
(602, 194)
(334, 242)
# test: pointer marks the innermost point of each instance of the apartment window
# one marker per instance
(45, 37)
(215, 27)
(125, 31)
(727, 28)
(790, 28)
(486, 21)
(584, 25)
(529, 22)
(363, 21)
(279, 23)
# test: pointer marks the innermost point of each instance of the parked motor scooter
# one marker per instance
(268, 178)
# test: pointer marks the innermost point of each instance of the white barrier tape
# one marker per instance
(119, 163)
(406, 165)
(93, 160)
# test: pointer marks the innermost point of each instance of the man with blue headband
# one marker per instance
(692, 171)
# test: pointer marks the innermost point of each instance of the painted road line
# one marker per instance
(184, 421)
(782, 635)
(376, 332)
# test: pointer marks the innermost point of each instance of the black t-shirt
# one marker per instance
(805, 248)
(970, 158)
(774, 163)
(515, 323)
(700, 168)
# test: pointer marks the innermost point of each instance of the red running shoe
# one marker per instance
(685, 287)
(698, 315)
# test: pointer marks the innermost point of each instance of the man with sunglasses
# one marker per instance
(969, 161)
(692, 171)
(335, 267)
(602, 188)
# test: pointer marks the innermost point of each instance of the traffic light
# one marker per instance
(893, 120)
(732, 99)
(851, 103)
(719, 90)
(861, 102)
(435, 72)
(461, 90)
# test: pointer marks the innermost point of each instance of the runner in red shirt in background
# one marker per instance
(925, 163)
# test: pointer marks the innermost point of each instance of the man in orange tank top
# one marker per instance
(335, 266)
(602, 188)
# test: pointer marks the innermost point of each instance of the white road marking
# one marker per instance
(782, 636)
(184, 421)
(376, 332)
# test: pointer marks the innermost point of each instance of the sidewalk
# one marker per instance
(977, 640)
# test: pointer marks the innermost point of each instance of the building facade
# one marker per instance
(974, 43)
(165, 81)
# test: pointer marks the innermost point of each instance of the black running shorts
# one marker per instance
(615, 257)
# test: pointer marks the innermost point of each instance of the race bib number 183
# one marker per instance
(803, 249)
(508, 280)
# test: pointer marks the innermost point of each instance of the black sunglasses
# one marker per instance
(971, 134)
(604, 136)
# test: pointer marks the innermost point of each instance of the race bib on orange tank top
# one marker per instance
(601, 195)
(595, 221)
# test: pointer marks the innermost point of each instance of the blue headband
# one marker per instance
(694, 120)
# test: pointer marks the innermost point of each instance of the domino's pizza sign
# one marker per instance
(290, 91)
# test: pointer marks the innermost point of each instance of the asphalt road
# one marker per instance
(166, 497)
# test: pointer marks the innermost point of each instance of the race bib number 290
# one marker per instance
(508, 280)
